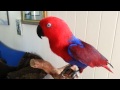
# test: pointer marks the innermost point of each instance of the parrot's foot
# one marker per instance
(70, 72)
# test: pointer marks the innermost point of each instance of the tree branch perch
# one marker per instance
(55, 72)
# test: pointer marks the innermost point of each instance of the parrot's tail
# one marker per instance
(106, 67)
(110, 65)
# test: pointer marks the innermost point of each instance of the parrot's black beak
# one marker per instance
(40, 31)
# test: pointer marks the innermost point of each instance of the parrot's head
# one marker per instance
(53, 28)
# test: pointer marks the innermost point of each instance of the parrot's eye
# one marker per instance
(49, 25)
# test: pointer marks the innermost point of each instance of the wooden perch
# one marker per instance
(54, 72)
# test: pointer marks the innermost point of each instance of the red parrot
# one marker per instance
(70, 48)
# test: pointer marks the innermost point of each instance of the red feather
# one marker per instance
(89, 56)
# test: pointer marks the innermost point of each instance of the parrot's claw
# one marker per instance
(68, 72)
(73, 74)
(66, 69)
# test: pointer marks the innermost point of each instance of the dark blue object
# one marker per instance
(11, 56)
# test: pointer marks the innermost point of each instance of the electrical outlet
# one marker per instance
(19, 26)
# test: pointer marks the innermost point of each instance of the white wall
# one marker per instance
(99, 28)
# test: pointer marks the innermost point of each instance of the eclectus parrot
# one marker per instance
(71, 49)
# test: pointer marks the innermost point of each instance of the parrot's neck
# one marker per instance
(60, 45)
(61, 38)
(60, 41)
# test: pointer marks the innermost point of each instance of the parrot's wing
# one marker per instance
(87, 54)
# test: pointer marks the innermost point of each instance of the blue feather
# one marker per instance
(77, 41)
(78, 63)
(74, 42)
